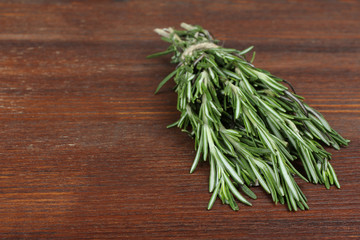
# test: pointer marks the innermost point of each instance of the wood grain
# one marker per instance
(84, 150)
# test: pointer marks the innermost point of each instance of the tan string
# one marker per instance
(190, 50)
(200, 46)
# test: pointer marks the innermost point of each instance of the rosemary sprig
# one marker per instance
(247, 124)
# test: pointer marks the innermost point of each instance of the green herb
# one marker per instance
(245, 122)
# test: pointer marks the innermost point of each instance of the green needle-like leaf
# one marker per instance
(166, 79)
(246, 122)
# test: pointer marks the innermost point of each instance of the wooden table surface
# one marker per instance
(84, 150)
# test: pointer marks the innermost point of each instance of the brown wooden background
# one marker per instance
(84, 150)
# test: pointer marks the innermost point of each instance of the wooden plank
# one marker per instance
(84, 150)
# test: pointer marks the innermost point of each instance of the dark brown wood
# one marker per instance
(84, 150)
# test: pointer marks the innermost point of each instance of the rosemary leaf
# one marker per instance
(246, 122)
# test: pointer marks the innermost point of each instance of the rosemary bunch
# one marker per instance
(247, 124)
